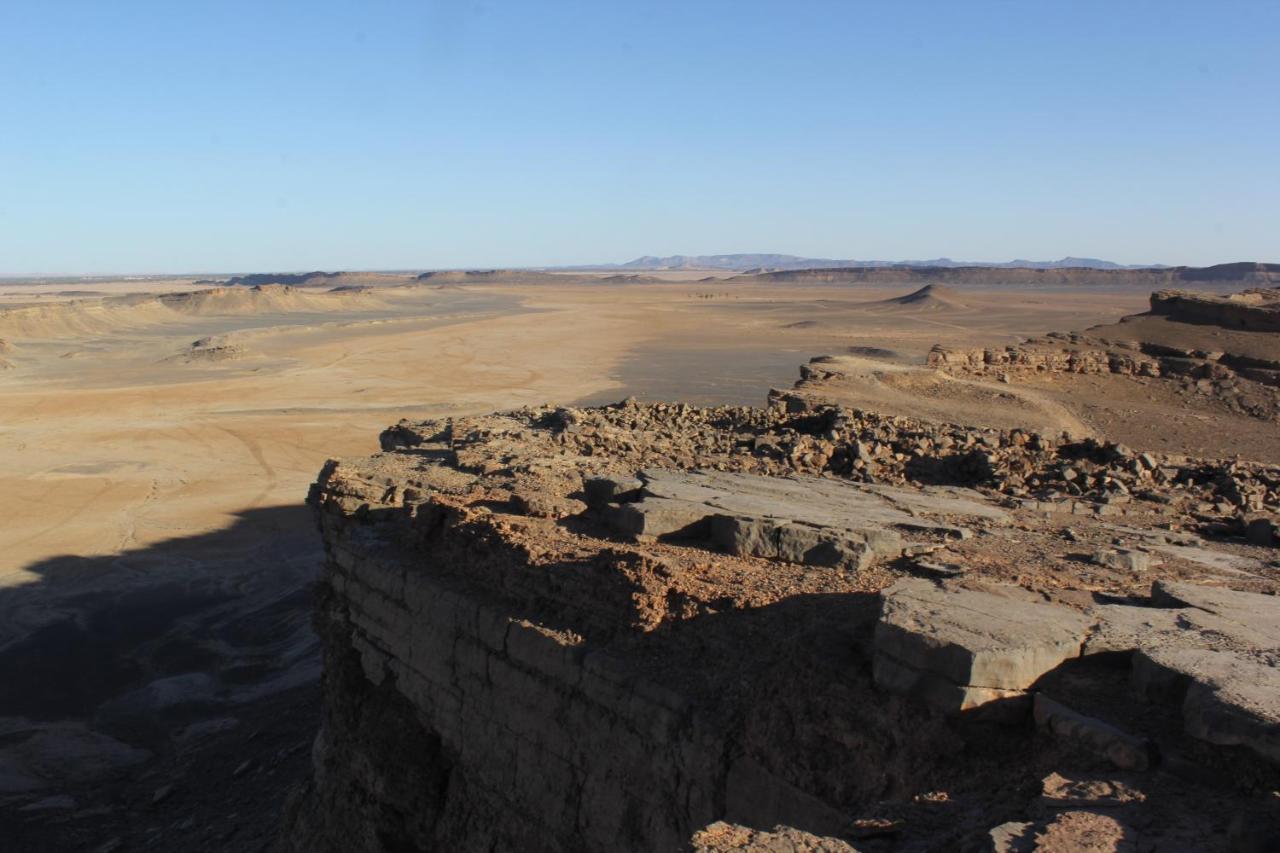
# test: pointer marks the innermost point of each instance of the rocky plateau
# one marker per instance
(802, 627)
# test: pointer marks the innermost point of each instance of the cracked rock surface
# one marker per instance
(661, 627)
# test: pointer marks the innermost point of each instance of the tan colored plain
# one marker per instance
(111, 442)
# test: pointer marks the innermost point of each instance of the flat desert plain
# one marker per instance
(118, 434)
(158, 438)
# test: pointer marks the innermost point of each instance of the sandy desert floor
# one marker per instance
(155, 553)
(112, 439)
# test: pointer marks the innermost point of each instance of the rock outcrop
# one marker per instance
(1211, 650)
(210, 349)
(964, 648)
(1251, 310)
(1239, 361)
(661, 627)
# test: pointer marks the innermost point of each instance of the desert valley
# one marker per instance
(159, 562)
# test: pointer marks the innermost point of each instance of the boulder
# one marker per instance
(1121, 748)
(961, 648)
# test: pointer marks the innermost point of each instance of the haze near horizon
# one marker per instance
(146, 137)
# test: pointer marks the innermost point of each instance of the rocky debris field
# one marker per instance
(798, 436)
(793, 628)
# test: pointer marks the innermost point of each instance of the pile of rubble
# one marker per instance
(795, 437)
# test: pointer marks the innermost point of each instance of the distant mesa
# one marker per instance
(756, 263)
(1249, 273)
(488, 276)
(440, 276)
(302, 279)
(1068, 270)
(637, 278)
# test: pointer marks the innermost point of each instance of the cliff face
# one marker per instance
(494, 681)
(1253, 310)
(542, 631)
(1224, 345)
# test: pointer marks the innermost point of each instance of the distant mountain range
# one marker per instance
(763, 262)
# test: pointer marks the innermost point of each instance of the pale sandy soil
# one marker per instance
(110, 442)
(155, 553)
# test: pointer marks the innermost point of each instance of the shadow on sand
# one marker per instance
(131, 682)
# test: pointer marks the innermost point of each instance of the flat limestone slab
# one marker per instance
(818, 501)
(986, 643)
(1246, 617)
(808, 520)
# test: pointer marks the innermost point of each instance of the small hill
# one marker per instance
(931, 295)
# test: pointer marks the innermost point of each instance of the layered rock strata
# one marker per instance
(657, 627)
(1233, 363)
(1255, 310)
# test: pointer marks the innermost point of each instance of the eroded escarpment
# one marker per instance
(1221, 345)
(659, 627)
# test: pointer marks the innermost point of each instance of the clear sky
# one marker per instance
(242, 136)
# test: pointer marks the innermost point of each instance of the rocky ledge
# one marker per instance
(1234, 359)
(660, 627)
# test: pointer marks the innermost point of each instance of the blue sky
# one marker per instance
(236, 136)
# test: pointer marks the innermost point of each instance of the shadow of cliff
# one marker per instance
(89, 628)
(783, 687)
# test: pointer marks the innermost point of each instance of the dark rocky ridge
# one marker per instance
(1248, 273)
(767, 261)
(303, 279)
